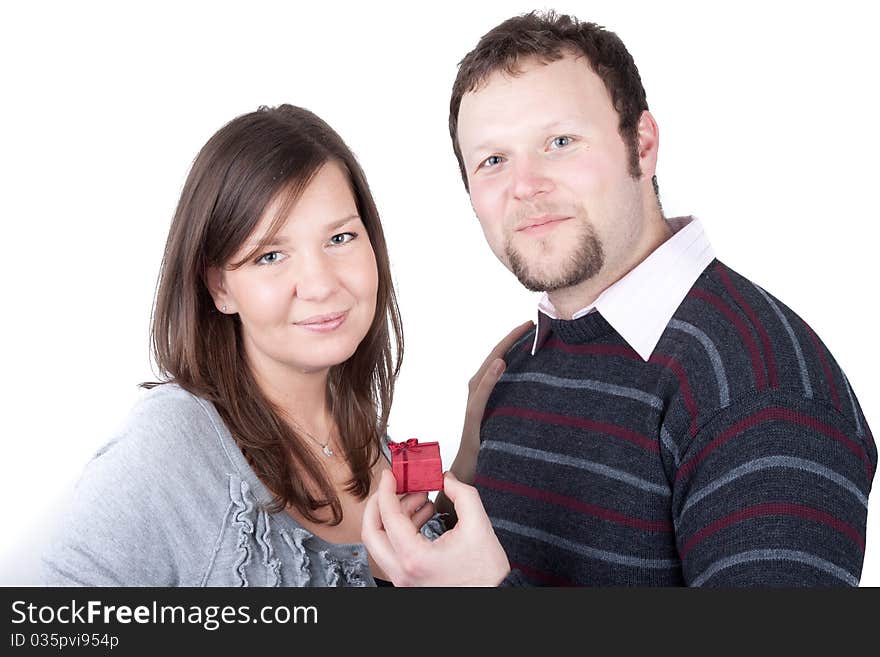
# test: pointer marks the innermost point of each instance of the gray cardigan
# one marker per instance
(171, 501)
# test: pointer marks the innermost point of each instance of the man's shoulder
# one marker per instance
(734, 316)
(736, 341)
(521, 350)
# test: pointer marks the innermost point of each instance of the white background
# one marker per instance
(768, 134)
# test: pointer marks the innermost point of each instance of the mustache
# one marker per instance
(538, 209)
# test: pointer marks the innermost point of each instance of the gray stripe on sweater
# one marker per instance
(714, 357)
(586, 384)
(590, 466)
(805, 377)
(529, 334)
(852, 400)
(774, 462)
(777, 555)
(586, 550)
(669, 444)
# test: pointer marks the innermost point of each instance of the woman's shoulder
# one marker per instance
(171, 409)
(159, 479)
(165, 425)
(170, 439)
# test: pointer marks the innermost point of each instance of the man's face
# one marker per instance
(549, 173)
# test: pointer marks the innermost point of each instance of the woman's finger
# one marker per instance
(500, 349)
(411, 502)
(423, 514)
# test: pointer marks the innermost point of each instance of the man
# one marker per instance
(667, 422)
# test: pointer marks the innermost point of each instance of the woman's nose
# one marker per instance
(315, 278)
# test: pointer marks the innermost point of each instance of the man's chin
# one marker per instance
(542, 281)
(543, 268)
(531, 285)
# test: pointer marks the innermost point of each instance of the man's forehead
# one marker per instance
(535, 81)
(531, 101)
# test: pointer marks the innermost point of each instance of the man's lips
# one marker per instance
(536, 223)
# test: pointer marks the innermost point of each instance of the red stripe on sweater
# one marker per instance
(556, 499)
(829, 376)
(753, 318)
(679, 371)
(593, 349)
(745, 334)
(578, 422)
(628, 352)
(769, 415)
(775, 509)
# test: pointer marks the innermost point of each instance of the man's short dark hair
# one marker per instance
(549, 37)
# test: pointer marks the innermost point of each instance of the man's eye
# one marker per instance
(342, 238)
(269, 258)
(561, 142)
(490, 161)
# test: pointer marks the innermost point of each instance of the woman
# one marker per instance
(273, 329)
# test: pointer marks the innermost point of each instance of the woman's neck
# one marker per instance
(299, 396)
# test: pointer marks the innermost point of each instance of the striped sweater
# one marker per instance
(737, 455)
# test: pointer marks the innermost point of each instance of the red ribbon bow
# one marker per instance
(402, 447)
(396, 447)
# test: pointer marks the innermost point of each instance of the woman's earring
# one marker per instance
(223, 309)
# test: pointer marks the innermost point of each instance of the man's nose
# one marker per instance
(530, 177)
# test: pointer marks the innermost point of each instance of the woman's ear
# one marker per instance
(217, 287)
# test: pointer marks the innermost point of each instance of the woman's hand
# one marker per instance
(417, 507)
(479, 388)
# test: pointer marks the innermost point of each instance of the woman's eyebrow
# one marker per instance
(280, 240)
(336, 224)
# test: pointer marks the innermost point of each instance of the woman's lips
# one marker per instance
(323, 323)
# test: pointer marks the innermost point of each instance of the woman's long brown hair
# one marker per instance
(254, 159)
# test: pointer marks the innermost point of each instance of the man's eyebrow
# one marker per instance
(280, 240)
(487, 145)
(563, 123)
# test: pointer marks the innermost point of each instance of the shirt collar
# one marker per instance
(641, 303)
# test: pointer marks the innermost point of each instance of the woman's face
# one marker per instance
(308, 299)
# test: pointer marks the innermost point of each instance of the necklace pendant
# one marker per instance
(327, 450)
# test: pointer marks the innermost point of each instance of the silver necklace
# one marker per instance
(325, 447)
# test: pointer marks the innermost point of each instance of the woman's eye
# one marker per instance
(561, 142)
(269, 258)
(490, 161)
(342, 238)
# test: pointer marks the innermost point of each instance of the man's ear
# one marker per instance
(215, 280)
(649, 143)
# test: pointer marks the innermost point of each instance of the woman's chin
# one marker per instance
(321, 362)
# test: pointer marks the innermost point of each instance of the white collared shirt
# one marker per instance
(641, 303)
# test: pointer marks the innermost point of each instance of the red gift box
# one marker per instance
(416, 466)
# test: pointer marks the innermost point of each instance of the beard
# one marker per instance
(584, 260)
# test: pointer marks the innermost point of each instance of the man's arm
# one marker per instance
(773, 491)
